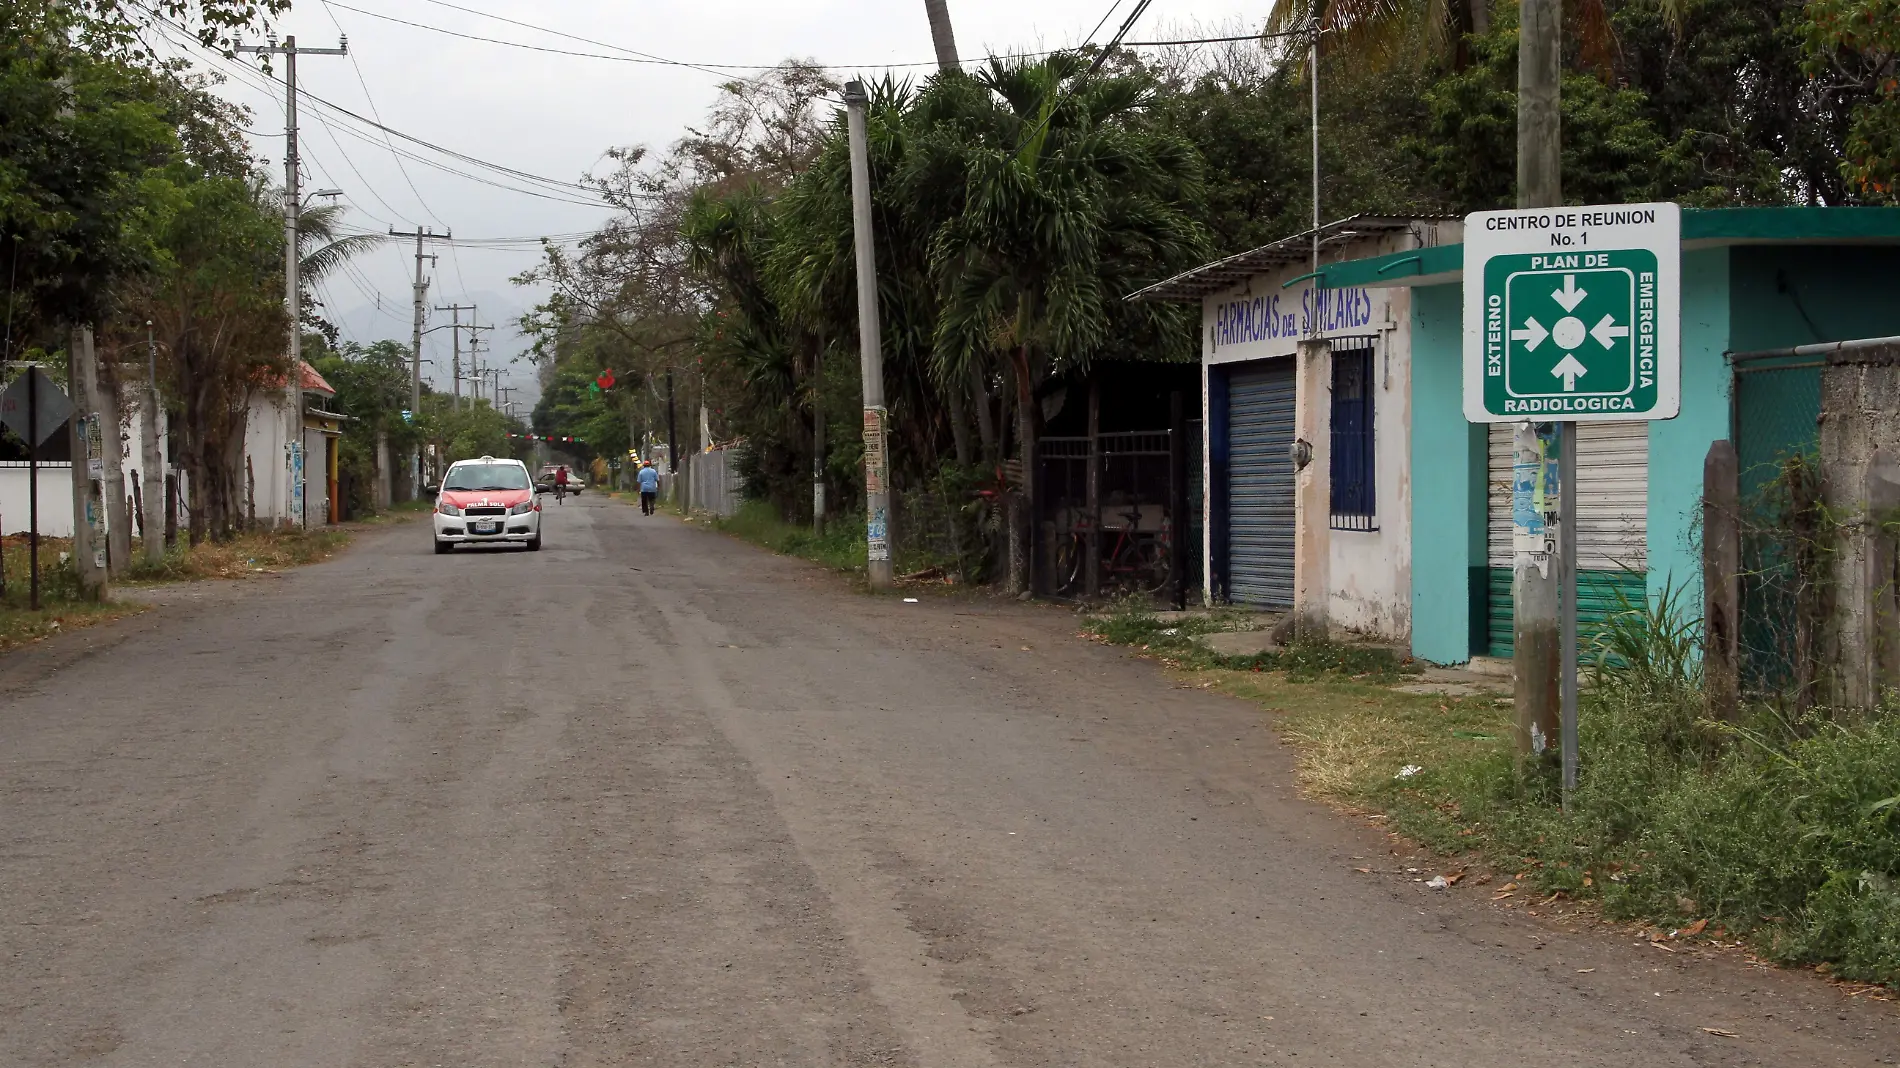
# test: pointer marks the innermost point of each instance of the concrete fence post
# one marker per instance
(1860, 473)
(1721, 579)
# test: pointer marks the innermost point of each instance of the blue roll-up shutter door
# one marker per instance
(1260, 485)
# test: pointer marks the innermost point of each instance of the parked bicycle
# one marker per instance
(1138, 561)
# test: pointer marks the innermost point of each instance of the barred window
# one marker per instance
(1354, 496)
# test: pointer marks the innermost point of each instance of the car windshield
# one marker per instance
(485, 478)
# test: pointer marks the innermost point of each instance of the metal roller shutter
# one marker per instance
(1612, 523)
(1260, 486)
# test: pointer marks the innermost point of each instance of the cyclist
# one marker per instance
(560, 484)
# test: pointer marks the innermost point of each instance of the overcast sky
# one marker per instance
(553, 115)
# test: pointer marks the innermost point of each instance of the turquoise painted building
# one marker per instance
(1753, 279)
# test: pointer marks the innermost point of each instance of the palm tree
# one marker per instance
(938, 12)
(323, 247)
(1380, 29)
(1071, 207)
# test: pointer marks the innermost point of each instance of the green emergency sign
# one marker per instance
(1572, 314)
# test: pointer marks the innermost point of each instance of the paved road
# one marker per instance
(650, 797)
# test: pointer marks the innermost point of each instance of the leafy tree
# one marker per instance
(1073, 207)
(79, 139)
(1855, 45)
(372, 388)
(473, 429)
(216, 305)
(1612, 153)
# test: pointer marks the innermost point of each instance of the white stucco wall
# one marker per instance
(1369, 580)
(1371, 571)
(56, 498)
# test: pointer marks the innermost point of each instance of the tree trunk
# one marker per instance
(959, 421)
(985, 418)
(1022, 502)
(938, 12)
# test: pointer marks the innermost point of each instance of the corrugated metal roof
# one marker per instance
(1298, 248)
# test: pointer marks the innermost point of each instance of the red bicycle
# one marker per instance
(1140, 561)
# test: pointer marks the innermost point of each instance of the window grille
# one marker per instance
(1354, 490)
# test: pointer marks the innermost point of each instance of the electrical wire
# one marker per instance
(554, 188)
(378, 115)
(719, 69)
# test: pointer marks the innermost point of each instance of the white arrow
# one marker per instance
(1533, 334)
(1607, 330)
(1569, 296)
(1570, 369)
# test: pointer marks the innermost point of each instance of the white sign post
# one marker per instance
(1571, 315)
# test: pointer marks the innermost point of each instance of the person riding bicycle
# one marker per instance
(649, 487)
(560, 484)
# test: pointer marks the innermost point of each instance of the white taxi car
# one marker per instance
(487, 502)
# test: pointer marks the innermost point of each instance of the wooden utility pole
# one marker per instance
(877, 468)
(1541, 648)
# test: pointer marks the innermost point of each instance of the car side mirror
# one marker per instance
(432, 489)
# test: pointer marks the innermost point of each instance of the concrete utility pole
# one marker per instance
(88, 465)
(1544, 640)
(293, 203)
(151, 458)
(475, 371)
(415, 352)
(877, 467)
(938, 11)
(672, 428)
(455, 363)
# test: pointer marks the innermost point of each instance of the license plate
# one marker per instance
(487, 528)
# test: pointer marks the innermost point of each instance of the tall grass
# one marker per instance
(1787, 831)
(840, 546)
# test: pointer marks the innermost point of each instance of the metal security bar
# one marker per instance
(1353, 461)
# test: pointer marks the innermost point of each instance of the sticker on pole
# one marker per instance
(1573, 314)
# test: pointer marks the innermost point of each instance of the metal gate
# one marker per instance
(1612, 525)
(1260, 485)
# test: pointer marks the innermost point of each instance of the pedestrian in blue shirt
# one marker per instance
(649, 487)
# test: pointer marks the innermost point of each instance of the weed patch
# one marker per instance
(1782, 832)
(1177, 643)
(61, 606)
(244, 556)
(841, 546)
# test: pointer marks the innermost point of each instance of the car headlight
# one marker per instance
(523, 508)
(445, 508)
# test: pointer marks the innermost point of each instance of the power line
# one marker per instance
(378, 115)
(719, 69)
(565, 189)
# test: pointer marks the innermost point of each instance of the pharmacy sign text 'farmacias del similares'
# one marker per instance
(1573, 313)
